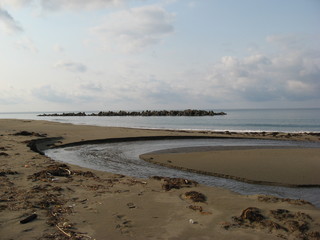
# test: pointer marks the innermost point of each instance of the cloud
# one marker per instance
(26, 43)
(162, 92)
(78, 4)
(16, 3)
(8, 98)
(192, 4)
(53, 5)
(49, 94)
(72, 97)
(291, 75)
(71, 66)
(287, 41)
(134, 29)
(92, 87)
(58, 48)
(8, 24)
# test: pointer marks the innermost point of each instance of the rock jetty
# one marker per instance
(146, 113)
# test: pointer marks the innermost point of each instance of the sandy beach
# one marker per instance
(69, 202)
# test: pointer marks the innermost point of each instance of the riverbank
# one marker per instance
(72, 202)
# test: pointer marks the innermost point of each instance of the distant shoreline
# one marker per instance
(146, 113)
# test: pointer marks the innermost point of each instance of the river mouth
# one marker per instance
(123, 158)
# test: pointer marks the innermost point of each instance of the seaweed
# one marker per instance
(196, 196)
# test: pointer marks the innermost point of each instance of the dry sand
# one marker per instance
(76, 203)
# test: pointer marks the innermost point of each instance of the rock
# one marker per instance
(146, 113)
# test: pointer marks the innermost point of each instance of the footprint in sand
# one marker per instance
(123, 224)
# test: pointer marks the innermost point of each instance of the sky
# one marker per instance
(82, 55)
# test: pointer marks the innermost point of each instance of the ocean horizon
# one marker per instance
(238, 120)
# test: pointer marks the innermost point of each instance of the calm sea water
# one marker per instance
(285, 120)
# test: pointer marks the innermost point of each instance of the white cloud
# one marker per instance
(134, 29)
(26, 43)
(287, 41)
(58, 48)
(71, 66)
(10, 97)
(16, 3)
(49, 94)
(298, 87)
(77, 4)
(91, 87)
(289, 76)
(8, 24)
(65, 4)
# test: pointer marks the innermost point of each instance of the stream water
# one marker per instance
(123, 158)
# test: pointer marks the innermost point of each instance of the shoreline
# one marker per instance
(233, 123)
(74, 202)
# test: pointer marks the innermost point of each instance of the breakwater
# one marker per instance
(146, 113)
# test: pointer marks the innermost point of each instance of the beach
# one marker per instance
(70, 202)
(282, 167)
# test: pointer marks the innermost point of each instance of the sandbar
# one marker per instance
(283, 167)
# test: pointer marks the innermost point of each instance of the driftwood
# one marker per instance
(29, 218)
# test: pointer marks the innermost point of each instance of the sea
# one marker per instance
(238, 120)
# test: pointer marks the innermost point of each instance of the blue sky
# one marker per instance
(70, 55)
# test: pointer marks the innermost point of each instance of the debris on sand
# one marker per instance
(7, 172)
(196, 208)
(195, 196)
(281, 214)
(4, 154)
(272, 199)
(26, 133)
(297, 226)
(55, 170)
(84, 174)
(252, 214)
(59, 170)
(29, 218)
(281, 222)
(175, 183)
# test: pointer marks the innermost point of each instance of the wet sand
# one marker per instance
(71, 202)
(282, 167)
